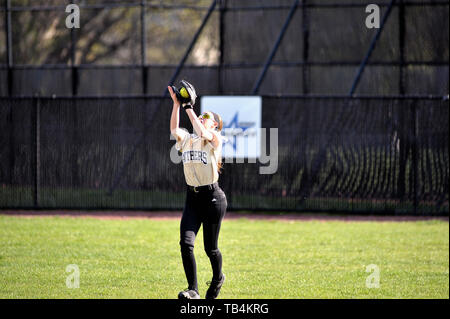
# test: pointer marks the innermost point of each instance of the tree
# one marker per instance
(110, 35)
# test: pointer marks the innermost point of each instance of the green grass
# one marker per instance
(19, 196)
(139, 258)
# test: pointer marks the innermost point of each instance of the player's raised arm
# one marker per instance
(175, 117)
(186, 97)
(198, 126)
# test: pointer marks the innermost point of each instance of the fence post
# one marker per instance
(37, 151)
(74, 69)
(415, 154)
(144, 46)
(404, 146)
(12, 142)
(401, 32)
(9, 61)
(222, 10)
(305, 22)
(9, 55)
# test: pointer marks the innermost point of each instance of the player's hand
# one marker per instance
(173, 96)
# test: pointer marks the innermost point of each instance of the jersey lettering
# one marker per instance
(195, 156)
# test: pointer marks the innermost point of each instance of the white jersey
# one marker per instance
(200, 159)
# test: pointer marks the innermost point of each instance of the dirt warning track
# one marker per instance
(167, 215)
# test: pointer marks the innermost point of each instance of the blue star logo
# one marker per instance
(235, 124)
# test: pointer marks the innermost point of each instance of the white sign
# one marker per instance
(241, 116)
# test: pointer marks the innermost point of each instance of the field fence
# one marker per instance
(335, 154)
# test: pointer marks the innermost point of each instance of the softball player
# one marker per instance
(206, 203)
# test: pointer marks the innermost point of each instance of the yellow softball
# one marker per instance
(184, 93)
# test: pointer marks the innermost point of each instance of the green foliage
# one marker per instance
(112, 35)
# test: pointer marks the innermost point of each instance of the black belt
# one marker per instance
(197, 189)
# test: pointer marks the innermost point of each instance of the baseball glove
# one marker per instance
(186, 94)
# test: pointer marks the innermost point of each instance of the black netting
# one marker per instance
(340, 34)
(47, 82)
(427, 79)
(246, 43)
(320, 52)
(167, 42)
(3, 82)
(334, 154)
(206, 77)
(113, 42)
(95, 138)
(2, 41)
(17, 153)
(426, 33)
(39, 37)
(110, 81)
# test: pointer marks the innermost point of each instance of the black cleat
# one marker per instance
(188, 294)
(214, 288)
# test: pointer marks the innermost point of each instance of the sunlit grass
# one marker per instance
(139, 258)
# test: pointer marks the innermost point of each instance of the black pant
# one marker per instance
(207, 206)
